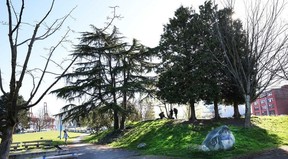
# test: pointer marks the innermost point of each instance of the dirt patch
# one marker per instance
(223, 121)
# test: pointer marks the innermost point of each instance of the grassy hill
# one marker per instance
(180, 139)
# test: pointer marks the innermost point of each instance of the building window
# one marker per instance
(269, 94)
(271, 106)
(255, 103)
(256, 108)
(270, 99)
(272, 112)
(262, 101)
(264, 113)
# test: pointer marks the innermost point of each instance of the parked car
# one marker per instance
(30, 130)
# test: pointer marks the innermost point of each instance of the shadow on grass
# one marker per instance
(98, 137)
(58, 142)
(181, 140)
(74, 137)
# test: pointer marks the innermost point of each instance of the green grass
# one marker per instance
(95, 138)
(45, 135)
(166, 137)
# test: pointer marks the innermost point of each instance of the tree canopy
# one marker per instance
(109, 73)
(189, 71)
(22, 120)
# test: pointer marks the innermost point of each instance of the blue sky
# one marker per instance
(142, 19)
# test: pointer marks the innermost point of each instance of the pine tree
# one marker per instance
(108, 74)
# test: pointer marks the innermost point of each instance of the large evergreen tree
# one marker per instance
(221, 85)
(108, 74)
(193, 63)
(179, 80)
(211, 72)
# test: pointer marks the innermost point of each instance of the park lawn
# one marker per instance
(181, 139)
(45, 135)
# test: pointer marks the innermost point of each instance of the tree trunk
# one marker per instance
(6, 142)
(124, 104)
(122, 122)
(123, 118)
(116, 120)
(116, 117)
(247, 112)
(216, 110)
(123, 114)
(193, 114)
(165, 106)
(236, 114)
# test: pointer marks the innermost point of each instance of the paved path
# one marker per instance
(276, 153)
(100, 152)
(89, 151)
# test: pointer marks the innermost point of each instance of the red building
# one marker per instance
(276, 100)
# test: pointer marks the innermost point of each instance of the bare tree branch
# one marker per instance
(20, 15)
(30, 46)
(115, 16)
(33, 81)
(41, 70)
(12, 47)
(48, 89)
(12, 107)
(46, 66)
(50, 29)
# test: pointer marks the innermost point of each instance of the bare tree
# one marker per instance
(43, 120)
(283, 62)
(10, 112)
(266, 42)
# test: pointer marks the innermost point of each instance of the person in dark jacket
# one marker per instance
(171, 114)
(175, 112)
(162, 115)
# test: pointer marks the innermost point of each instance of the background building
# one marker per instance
(42, 121)
(272, 102)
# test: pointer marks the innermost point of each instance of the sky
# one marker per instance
(141, 19)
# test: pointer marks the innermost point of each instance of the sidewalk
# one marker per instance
(77, 142)
(89, 151)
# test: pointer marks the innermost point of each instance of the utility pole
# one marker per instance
(60, 126)
(267, 107)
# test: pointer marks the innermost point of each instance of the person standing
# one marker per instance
(65, 136)
(175, 112)
(171, 114)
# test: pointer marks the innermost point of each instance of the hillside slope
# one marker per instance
(180, 139)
